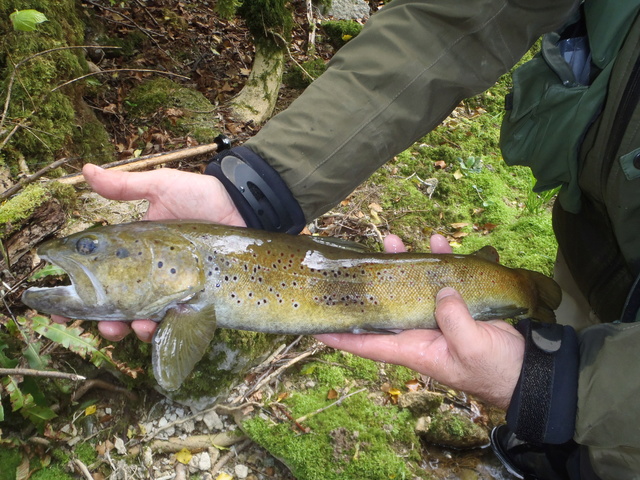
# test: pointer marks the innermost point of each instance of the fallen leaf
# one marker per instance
(184, 456)
(332, 395)
(412, 385)
(224, 476)
(90, 410)
(440, 165)
(458, 175)
(459, 225)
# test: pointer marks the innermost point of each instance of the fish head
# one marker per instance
(120, 272)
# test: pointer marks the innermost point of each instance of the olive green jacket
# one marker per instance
(411, 65)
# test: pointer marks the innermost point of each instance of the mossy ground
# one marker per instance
(363, 437)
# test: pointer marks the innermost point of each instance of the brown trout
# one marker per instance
(194, 276)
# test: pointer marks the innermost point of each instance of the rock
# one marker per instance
(421, 403)
(348, 9)
(204, 463)
(242, 471)
(212, 420)
(452, 430)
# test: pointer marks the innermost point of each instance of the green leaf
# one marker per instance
(6, 362)
(26, 20)
(32, 354)
(75, 339)
(47, 271)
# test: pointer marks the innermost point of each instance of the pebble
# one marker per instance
(212, 420)
(242, 471)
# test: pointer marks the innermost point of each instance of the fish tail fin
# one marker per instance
(547, 296)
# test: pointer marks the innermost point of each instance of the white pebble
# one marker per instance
(242, 471)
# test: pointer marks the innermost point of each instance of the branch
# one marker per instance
(146, 161)
(41, 373)
(112, 70)
(26, 181)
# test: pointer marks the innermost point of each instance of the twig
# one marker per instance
(197, 442)
(113, 70)
(320, 410)
(25, 181)
(277, 372)
(225, 458)
(95, 383)
(146, 161)
(83, 468)
(41, 373)
(283, 409)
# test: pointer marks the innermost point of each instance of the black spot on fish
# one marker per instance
(160, 264)
(86, 245)
(122, 253)
(173, 270)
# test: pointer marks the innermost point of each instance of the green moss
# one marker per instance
(20, 207)
(357, 439)
(301, 76)
(340, 32)
(10, 458)
(52, 472)
(193, 113)
(86, 453)
(49, 118)
(269, 21)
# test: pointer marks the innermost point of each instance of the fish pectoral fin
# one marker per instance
(180, 342)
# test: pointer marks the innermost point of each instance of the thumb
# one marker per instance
(117, 185)
(454, 319)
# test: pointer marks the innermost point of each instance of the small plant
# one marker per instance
(340, 32)
(26, 20)
(537, 202)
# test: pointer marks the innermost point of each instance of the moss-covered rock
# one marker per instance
(182, 110)
(51, 121)
(452, 429)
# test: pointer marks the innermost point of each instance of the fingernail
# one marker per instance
(444, 293)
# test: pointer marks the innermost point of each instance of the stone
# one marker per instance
(348, 10)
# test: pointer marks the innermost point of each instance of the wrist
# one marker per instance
(544, 403)
(260, 196)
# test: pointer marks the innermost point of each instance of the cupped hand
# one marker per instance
(172, 194)
(481, 358)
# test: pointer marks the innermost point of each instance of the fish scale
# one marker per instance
(192, 277)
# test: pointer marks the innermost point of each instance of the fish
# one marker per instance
(193, 277)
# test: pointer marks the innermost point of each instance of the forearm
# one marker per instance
(411, 65)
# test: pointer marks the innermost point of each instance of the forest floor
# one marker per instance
(452, 182)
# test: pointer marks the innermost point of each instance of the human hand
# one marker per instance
(481, 358)
(172, 194)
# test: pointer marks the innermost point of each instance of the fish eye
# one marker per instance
(86, 245)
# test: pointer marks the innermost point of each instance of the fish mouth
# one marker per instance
(78, 300)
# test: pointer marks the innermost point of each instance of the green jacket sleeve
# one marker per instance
(409, 67)
(608, 394)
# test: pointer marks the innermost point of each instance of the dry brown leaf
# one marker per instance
(332, 394)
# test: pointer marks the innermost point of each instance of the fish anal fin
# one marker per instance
(180, 342)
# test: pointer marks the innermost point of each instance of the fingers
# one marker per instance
(439, 244)
(393, 244)
(453, 318)
(144, 329)
(114, 331)
(118, 185)
(403, 348)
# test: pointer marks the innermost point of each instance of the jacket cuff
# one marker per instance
(260, 195)
(544, 404)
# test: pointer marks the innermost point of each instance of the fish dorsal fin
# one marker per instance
(488, 253)
(340, 243)
(180, 342)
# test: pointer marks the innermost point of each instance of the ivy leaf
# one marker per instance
(26, 20)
